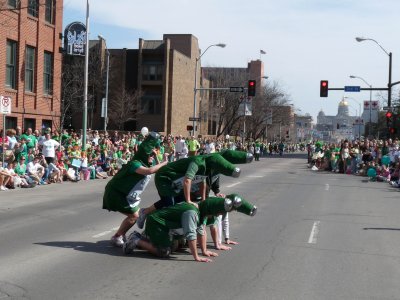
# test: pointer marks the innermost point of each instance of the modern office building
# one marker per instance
(30, 62)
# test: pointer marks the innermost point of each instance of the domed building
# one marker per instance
(341, 126)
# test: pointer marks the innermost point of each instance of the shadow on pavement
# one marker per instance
(104, 247)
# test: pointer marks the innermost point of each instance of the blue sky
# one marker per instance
(305, 40)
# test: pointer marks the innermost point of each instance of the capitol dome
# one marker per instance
(343, 108)
(321, 113)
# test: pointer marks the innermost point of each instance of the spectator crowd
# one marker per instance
(376, 159)
(33, 158)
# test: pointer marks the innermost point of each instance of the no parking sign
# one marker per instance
(5, 105)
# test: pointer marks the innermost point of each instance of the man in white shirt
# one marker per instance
(181, 149)
(35, 170)
(48, 147)
(210, 147)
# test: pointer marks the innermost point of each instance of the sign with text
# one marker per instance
(350, 88)
(75, 39)
(5, 105)
(236, 89)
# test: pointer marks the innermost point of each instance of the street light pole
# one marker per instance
(361, 39)
(370, 100)
(85, 80)
(195, 84)
(107, 76)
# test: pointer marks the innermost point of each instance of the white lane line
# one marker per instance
(101, 234)
(327, 187)
(255, 176)
(314, 233)
(233, 184)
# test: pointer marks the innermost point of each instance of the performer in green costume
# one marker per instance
(176, 181)
(122, 193)
(190, 219)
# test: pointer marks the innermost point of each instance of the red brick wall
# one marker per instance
(36, 32)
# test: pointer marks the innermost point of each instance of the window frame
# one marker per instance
(33, 8)
(48, 70)
(11, 66)
(30, 63)
(14, 3)
(49, 11)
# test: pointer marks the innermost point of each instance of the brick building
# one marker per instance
(30, 61)
(163, 71)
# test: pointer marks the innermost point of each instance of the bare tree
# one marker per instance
(124, 107)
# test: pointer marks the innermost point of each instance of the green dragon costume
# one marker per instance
(122, 193)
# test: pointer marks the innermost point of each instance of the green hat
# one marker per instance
(146, 148)
(237, 157)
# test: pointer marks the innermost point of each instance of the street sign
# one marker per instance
(386, 108)
(194, 119)
(5, 105)
(236, 89)
(349, 88)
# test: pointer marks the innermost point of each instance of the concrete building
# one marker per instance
(30, 62)
(158, 80)
(340, 126)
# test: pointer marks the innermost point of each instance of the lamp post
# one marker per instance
(358, 114)
(107, 74)
(85, 80)
(370, 100)
(361, 39)
(195, 84)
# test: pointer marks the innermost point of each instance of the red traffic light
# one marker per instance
(392, 130)
(323, 88)
(251, 88)
(389, 114)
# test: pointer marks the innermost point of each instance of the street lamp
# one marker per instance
(195, 84)
(108, 70)
(361, 39)
(370, 99)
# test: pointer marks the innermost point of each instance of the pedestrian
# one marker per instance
(123, 191)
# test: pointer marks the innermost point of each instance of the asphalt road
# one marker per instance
(316, 235)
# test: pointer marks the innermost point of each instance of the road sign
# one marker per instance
(386, 108)
(236, 89)
(194, 119)
(5, 105)
(350, 88)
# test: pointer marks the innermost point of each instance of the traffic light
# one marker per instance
(189, 127)
(389, 118)
(392, 130)
(323, 88)
(251, 88)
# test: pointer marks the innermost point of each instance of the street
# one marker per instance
(316, 235)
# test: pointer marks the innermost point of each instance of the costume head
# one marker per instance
(237, 157)
(146, 148)
(216, 164)
(214, 206)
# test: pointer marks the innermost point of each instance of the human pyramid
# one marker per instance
(185, 206)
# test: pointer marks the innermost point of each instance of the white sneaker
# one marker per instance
(131, 242)
(117, 241)
(3, 188)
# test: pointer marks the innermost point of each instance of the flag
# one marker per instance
(263, 52)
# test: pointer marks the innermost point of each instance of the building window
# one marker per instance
(33, 8)
(11, 64)
(29, 123)
(29, 69)
(11, 122)
(12, 3)
(48, 73)
(49, 11)
(47, 124)
(151, 104)
(152, 72)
